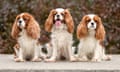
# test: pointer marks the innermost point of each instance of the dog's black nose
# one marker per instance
(92, 23)
(20, 21)
(58, 15)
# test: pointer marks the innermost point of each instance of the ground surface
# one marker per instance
(7, 64)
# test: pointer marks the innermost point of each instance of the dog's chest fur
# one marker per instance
(61, 35)
(88, 44)
(26, 42)
(62, 39)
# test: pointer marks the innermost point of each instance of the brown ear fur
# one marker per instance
(100, 31)
(69, 21)
(33, 29)
(82, 28)
(49, 21)
(15, 30)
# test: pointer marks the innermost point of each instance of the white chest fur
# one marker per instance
(61, 40)
(88, 44)
(26, 43)
(61, 35)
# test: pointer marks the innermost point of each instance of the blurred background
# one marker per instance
(108, 10)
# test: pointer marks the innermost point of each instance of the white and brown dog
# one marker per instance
(26, 31)
(61, 26)
(91, 34)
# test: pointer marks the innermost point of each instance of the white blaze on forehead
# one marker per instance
(59, 9)
(91, 16)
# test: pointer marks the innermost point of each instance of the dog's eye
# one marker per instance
(54, 14)
(62, 14)
(18, 18)
(25, 19)
(96, 21)
(88, 20)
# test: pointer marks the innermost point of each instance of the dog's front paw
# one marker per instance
(107, 58)
(73, 59)
(82, 59)
(50, 60)
(19, 60)
(96, 60)
(36, 59)
(45, 57)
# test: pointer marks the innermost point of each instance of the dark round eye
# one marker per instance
(18, 18)
(25, 19)
(62, 14)
(54, 14)
(96, 21)
(88, 20)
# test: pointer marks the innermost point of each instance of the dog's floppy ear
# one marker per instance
(69, 21)
(33, 29)
(15, 29)
(100, 31)
(82, 28)
(49, 21)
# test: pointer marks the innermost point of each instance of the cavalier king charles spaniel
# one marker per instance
(91, 34)
(61, 26)
(26, 31)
